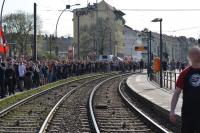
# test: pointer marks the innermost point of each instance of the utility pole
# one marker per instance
(94, 41)
(78, 30)
(35, 33)
(161, 56)
(97, 31)
(150, 55)
(110, 43)
(50, 44)
(161, 49)
(2, 12)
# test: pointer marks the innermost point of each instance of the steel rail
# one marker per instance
(133, 107)
(52, 112)
(92, 115)
(21, 102)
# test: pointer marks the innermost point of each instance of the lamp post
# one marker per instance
(2, 12)
(78, 14)
(161, 49)
(67, 7)
(56, 30)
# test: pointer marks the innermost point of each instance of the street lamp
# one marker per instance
(161, 49)
(67, 7)
(56, 30)
(2, 12)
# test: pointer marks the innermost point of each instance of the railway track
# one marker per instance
(28, 116)
(94, 104)
(111, 111)
(70, 114)
(148, 109)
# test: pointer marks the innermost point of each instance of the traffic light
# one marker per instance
(140, 48)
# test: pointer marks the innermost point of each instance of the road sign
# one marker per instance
(140, 48)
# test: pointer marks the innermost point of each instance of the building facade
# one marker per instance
(174, 48)
(133, 39)
(100, 29)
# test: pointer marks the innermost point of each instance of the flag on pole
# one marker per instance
(3, 43)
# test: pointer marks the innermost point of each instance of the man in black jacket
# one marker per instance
(10, 79)
(2, 80)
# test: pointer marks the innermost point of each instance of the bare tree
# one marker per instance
(21, 24)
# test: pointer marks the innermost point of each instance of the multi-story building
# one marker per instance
(133, 38)
(100, 30)
(174, 48)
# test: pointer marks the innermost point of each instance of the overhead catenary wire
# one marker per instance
(165, 10)
(145, 10)
(184, 29)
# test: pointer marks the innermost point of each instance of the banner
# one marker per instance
(4, 48)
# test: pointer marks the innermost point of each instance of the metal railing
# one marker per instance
(169, 79)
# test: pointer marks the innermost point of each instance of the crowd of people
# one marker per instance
(174, 65)
(17, 76)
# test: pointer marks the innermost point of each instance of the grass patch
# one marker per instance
(8, 101)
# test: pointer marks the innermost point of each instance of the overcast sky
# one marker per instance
(177, 23)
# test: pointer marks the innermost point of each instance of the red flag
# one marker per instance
(1, 35)
(3, 44)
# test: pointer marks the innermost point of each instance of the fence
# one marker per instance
(169, 79)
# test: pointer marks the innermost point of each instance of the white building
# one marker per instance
(133, 39)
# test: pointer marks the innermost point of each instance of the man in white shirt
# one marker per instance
(22, 71)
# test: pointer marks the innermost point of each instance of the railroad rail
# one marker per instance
(93, 104)
(70, 113)
(110, 113)
(29, 114)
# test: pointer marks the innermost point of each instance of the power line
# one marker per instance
(146, 10)
(163, 10)
(184, 29)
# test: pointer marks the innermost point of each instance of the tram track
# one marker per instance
(148, 109)
(112, 112)
(71, 113)
(28, 115)
(94, 104)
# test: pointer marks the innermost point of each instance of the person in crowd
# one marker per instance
(141, 63)
(45, 71)
(10, 78)
(134, 64)
(36, 75)
(21, 72)
(189, 83)
(24, 74)
(2, 80)
(164, 65)
(182, 66)
(28, 78)
(50, 71)
(172, 65)
(54, 71)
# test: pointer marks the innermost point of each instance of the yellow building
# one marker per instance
(100, 30)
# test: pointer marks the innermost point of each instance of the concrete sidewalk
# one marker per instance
(139, 84)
